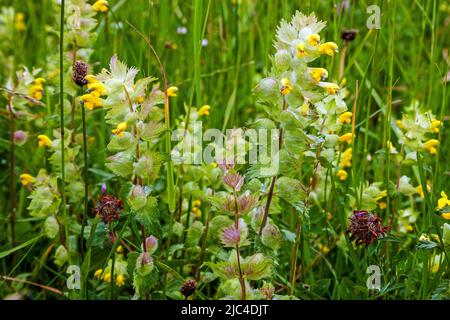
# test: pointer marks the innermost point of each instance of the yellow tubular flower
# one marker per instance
(443, 201)
(44, 141)
(91, 80)
(420, 190)
(346, 117)
(324, 249)
(348, 137)
(300, 50)
(119, 249)
(26, 179)
(286, 87)
(100, 5)
(19, 21)
(330, 87)
(36, 91)
(304, 109)
(140, 99)
(204, 110)
(446, 215)
(400, 124)
(90, 101)
(346, 158)
(98, 273)
(431, 146)
(196, 203)
(318, 73)
(342, 175)
(107, 277)
(435, 124)
(120, 280)
(314, 39)
(328, 48)
(121, 127)
(382, 205)
(97, 89)
(172, 91)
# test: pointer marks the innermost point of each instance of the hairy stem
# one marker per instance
(236, 223)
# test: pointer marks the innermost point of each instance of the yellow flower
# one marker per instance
(300, 50)
(443, 201)
(97, 89)
(91, 80)
(26, 179)
(314, 39)
(400, 124)
(420, 190)
(101, 5)
(39, 81)
(107, 277)
(435, 124)
(328, 48)
(382, 205)
(286, 87)
(121, 127)
(346, 158)
(324, 249)
(204, 110)
(172, 91)
(214, 164)
(318, 73)
(196, 211)
(343, 82)
(90, 101)
(19, 21)
(119, 249)
(120, 280)
(346, 117)
(409, 228)
(348, 137)
(304, 109)
(330, 87)
(44, 141)
(446, 215)
(196, 203)
(36, 91)
(140, 99)
(431, 146)
(342, 175)
(98, 273)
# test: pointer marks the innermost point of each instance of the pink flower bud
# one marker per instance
(151, 243)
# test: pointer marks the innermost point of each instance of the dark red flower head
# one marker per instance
(188, 288)
(108, 208)
(365, 227)
(80, 70)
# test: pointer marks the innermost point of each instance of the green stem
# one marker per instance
(85, 172)
(61, 105)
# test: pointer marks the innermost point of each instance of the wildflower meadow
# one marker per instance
(224, 150)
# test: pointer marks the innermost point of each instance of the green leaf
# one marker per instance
(20, 246)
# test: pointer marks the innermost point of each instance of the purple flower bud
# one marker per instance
(144, 264)
(225, 165)
(103, 188)
(230, 236)
(151, 243)
(20, 137)
(234, 180)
